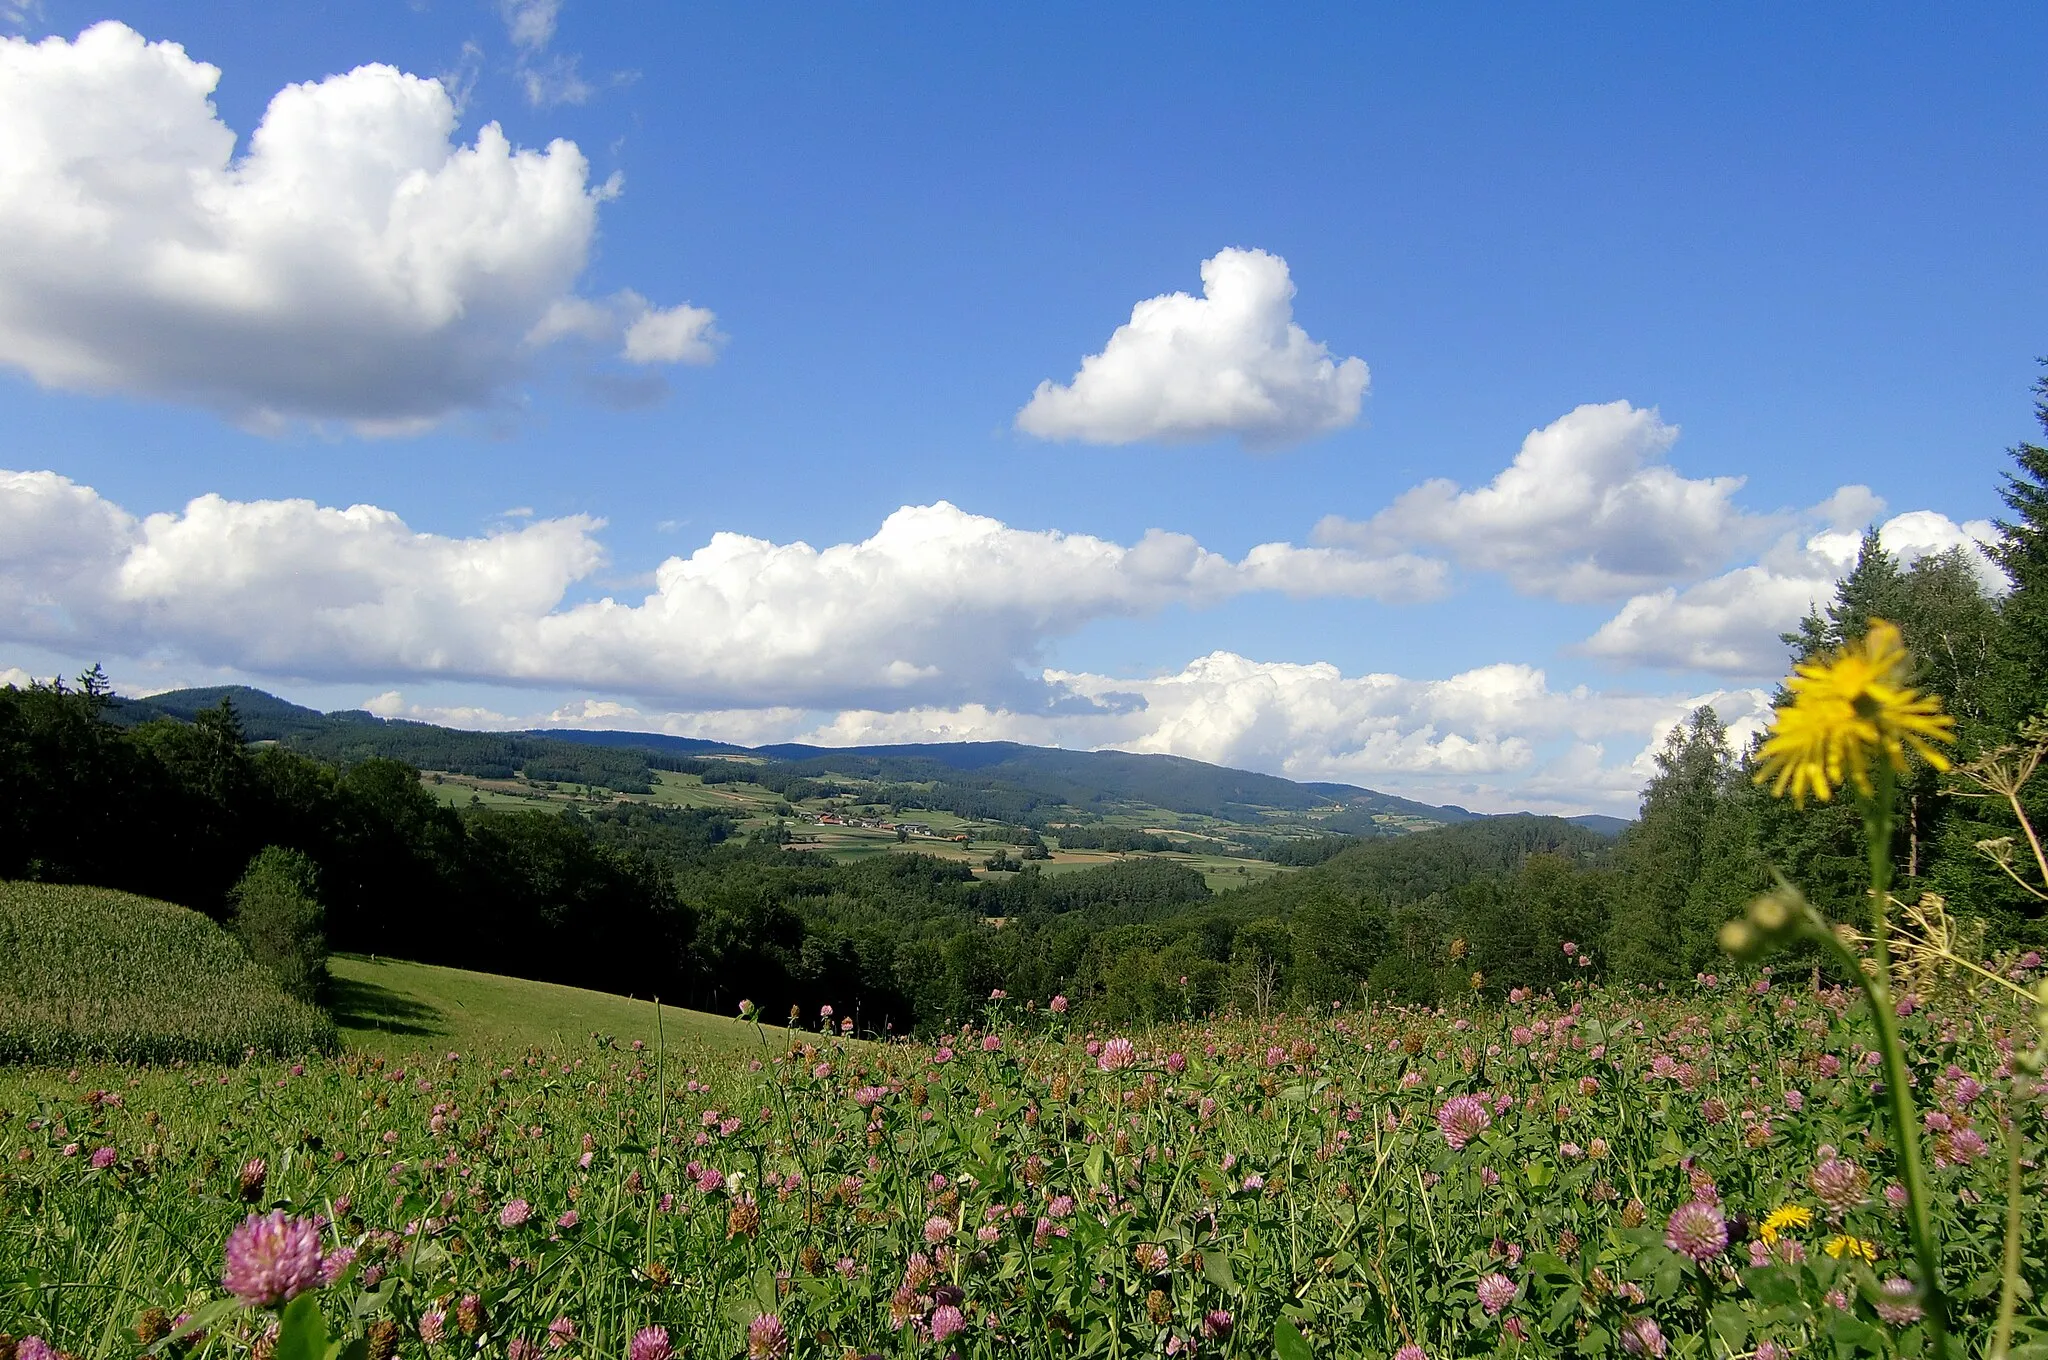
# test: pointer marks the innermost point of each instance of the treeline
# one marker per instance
(178, 811)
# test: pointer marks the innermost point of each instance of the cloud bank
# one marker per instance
(1730, 624)
(1231, 362)
(354, 263)
(937, 606)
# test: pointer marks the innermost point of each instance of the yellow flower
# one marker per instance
(1783, 1217)
(1842, 1244)
(1847, 712)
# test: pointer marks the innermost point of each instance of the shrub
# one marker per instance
(278, 916)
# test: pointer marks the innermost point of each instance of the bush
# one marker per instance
(89, 974)
(277, 915)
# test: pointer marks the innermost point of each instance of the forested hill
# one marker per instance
(1005, 781)
(1074, 777)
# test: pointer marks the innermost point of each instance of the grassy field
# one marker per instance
(390, 1007)
(89, 973)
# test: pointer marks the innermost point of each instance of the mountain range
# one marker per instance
(995, 779)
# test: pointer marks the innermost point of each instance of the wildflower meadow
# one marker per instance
(1706, 1169)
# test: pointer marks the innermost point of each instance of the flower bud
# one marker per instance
(1740, 940)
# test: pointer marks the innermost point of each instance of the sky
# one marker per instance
(1443, 399)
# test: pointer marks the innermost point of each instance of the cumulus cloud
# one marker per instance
(937, 606)
(1231, 362)
(1730, 624)
(1588, 510)
(355, 263)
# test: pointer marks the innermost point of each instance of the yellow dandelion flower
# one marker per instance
(1847, 712)
(1842, 1244)
(1783, 1217)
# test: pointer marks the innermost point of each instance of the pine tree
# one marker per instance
(1654, 934)
(2022, 550)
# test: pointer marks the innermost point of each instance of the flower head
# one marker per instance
(1842, 1244)
(1116, 1055)
(1839, 1185)
(766, 1338)
(947, 1323)
(1697, 1231)
(271, 1258)
(102, 1158)
(1897, 1301)
(1642, 1336)
(514, 1213)
(1847, 713)
(1784, 1217)
(1462, 1119)
(651, 1343)
(1496, 1291)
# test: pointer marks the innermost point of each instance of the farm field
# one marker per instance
(1699, 1171)
(757, 809)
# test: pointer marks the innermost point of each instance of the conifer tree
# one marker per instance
(1662, 855)
(2022, 551)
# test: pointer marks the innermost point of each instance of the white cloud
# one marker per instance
(1588, 510)
(14, 677)
(1231, 362)
(546, 78)
(678, 335)
(356, 263)
(1730, 624)
(937, 606)
(530, 23)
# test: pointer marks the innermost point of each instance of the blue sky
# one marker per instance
(1805, 238)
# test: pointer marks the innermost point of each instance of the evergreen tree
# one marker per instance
(1663, 854)
(2022, 551)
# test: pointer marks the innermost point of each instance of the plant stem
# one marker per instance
(2008, 1300)
(1877, 827)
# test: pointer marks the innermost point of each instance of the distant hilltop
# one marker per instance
(1001, 780)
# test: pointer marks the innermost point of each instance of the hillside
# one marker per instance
(1039, 788)
(389, 1006)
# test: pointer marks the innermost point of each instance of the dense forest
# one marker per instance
(661, 901)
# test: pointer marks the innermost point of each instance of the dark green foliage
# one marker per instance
(277, 916)
(1670, 905)
(1303, 851)
(1120, 839)
(2023, 553)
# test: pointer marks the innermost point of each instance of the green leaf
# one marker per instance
(764, 1287)
(358, 1349)
(1289, 1343)
(1216, 1269)
(1097, 1165)
(1731, 1324)
(1539, 1174)
(302, 1332)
